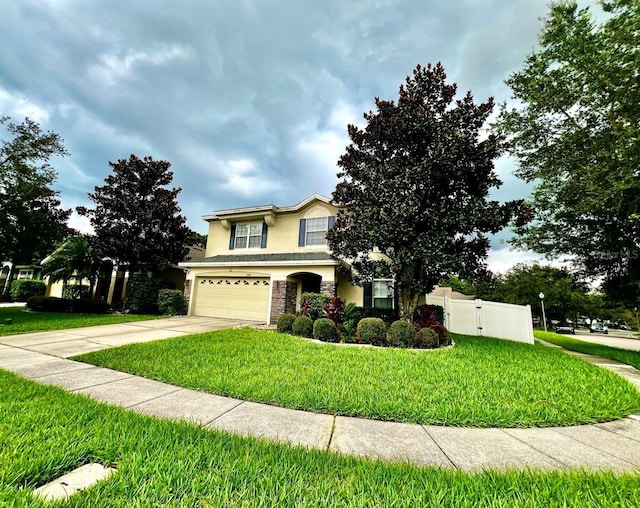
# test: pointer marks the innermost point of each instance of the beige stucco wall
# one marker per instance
(55, 289)
(282, 236)
(349, 293)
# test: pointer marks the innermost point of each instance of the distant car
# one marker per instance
(598, 328)
(565, 328)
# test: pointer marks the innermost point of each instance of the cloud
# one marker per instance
(249, 101)
(114, 68)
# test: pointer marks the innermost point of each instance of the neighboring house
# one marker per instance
(449, 293)
(20, 272)
(261, 259)
(111, 286)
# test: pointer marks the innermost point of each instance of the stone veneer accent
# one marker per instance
(283, 299)
(291, 297)
(328, 288)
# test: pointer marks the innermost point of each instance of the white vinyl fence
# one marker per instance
(490, 319)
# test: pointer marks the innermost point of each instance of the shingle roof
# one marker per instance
(252, 258)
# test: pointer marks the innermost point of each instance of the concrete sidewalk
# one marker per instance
(613, 446)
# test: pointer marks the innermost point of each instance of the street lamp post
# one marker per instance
(544, 318)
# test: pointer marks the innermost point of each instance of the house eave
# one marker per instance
(251, 211)
(331, 262)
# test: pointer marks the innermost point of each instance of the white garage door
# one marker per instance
(232, 297)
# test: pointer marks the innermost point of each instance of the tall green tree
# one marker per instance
(576, 135)
(460, 285)
(565, 296)
(73, 258)
(136, 219)
(31, 219)
(414, 185)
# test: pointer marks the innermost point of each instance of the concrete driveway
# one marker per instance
(75, 341)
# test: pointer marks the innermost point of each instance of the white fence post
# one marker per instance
(479, 315)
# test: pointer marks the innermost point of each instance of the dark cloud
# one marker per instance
(249, 101)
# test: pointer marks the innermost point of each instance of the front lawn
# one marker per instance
(620, 355)
(26, 322)
(481, 382)
(45, 432)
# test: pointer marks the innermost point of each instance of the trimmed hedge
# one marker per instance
(443, 336)
(143, 294)
(426, 338)
(401, 334)
(285, 323)
(303, 326)
(324, 329)
(171, 302)
(372, 331)
(69, 305)
(23, 289)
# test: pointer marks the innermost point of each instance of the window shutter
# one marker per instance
(301, 233)
(232, 238)
(331, 222)
(368, 295)
(263, 244)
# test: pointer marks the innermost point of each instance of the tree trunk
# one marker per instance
(408, 305)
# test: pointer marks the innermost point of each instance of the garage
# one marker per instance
(232, 297)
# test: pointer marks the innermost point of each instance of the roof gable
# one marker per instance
(262, 210)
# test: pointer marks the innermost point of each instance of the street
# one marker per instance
(617, 338)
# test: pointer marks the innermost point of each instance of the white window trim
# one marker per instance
(25, 274)
(389, 296)
(325, 230)
(248, 237)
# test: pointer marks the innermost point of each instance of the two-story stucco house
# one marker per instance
(259, 261)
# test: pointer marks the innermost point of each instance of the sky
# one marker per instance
(248, 100)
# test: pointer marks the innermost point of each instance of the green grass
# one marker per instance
(621, 355)
(26, 322)
(481, 382)
(45, 432)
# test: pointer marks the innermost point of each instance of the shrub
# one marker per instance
(372, 331)
(315, 304)
(75, 291)
(334, 310)
(143, 294)
(23, 289)
(171, 302)
(53, 304)
(443, 336)
(428, 316)
(43, 303)
(350, 318)
(426, 338)
(401, 334)
(324, 329)
(302, 326)
(285, 322)
(387, 315)
(87, 306)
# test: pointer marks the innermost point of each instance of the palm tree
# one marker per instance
(74, 258)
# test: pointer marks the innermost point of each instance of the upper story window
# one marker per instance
(313, 231)
(248, 235)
